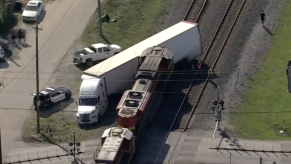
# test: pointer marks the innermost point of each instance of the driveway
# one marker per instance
(63, 23)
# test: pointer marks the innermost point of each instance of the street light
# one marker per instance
(99, 18)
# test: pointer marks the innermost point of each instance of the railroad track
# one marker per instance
(216, 45)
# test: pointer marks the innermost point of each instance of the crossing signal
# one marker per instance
(220, 102)
(77, 149)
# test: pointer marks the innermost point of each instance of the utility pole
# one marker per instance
(74, 149)
(74, 146)
(0, 148)
(37, 79)
(217, 109)
(99, 18)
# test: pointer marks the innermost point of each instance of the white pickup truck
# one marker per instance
(95, 52)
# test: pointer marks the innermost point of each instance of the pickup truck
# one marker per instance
(95, 52)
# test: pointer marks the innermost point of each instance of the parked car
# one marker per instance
(32, 11)
(4, 43)
(2, 54)
(52, 95)
(95, 52)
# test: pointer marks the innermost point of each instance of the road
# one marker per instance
(199, 147)
(63, 23)
(53, 154)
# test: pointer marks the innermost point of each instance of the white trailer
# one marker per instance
(116, 74)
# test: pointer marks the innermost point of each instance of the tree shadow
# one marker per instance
(46, 112)
(109, 116)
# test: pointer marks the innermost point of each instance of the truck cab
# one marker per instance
(92, 101)
(95, 52)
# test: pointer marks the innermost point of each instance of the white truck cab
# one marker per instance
(92, 101)
(96, 52)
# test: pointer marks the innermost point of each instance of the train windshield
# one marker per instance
(87, 101)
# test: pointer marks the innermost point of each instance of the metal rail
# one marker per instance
(206, 54)
(192, 12)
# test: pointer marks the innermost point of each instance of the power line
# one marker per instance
(113, 92)
(122, 72)
(105, 80)
(170, 113)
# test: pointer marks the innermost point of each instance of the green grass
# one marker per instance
(61, 126)
(267, 103)
(136, 20)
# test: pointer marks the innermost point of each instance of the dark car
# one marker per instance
(52, 95)
(4, 43)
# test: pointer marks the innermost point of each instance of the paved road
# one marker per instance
(52, 154)
(193, 148)
(63, 23)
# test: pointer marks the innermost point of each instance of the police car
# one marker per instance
(52, 95)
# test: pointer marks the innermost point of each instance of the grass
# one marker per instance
(136, 20)
(61, 127)
(267, 102)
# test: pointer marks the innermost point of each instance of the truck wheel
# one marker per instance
(89, 62)
(116, 53)
(68, 96)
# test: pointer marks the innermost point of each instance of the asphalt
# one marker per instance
(198, 146)
(63, 23)
(193, 147)
(53, 154)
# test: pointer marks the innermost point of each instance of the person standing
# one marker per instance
(20, 35)
(263, 17)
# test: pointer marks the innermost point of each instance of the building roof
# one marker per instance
(136, 50)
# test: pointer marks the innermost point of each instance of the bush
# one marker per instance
(7, 20)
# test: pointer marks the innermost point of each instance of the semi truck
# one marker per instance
(116, 74)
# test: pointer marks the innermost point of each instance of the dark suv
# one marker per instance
(4, 43)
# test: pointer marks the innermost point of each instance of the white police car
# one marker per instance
(52, 95)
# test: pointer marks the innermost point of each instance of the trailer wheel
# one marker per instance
(89, 62)
(98, 118)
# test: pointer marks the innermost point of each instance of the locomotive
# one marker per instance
(138, 106)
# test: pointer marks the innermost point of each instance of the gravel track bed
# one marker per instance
(248, 46)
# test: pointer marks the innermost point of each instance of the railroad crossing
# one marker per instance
(57, 154)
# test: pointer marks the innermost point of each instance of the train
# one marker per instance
(137, 107)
